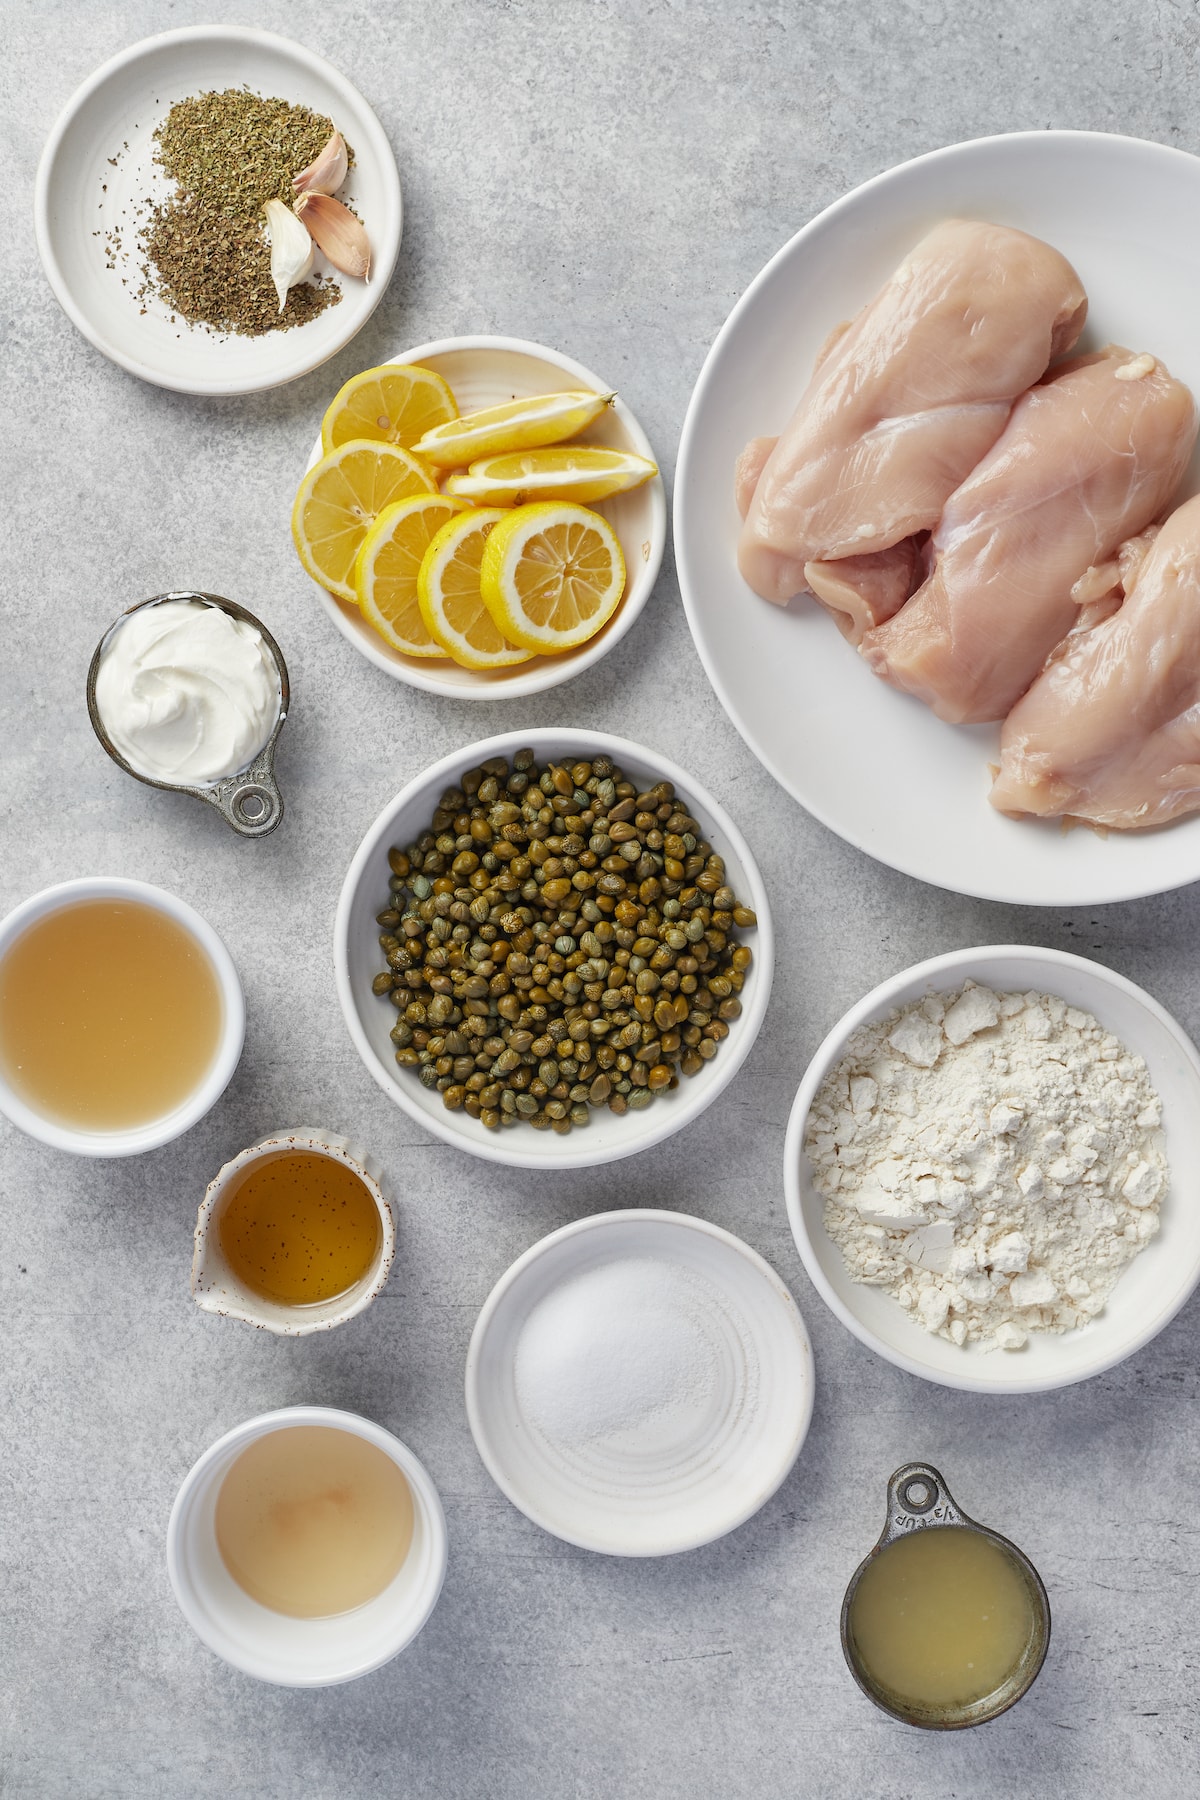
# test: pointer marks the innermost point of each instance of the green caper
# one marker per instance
(558, 941)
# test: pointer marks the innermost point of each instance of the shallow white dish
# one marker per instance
(1153, 1286)
(80, 198)
(134, 1140)
(270, 1645)
(483, 371)
(873, 764)
(357, 960)
(640, 1503)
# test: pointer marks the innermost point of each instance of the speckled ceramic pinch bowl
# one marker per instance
(217, 1289)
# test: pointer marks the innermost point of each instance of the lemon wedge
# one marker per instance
(451, 603)
(387, 567)
(514, 425)
(552, 574)
(340, 499)
(394, 404)
(570, 472)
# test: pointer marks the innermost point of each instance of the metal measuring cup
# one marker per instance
(919, 1500)
(249, 799)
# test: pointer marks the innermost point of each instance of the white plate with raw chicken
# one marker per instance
(874, 763)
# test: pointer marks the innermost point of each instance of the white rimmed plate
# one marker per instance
(680, 1491)
(484, 371)
(873, 764)
(81, 198)
(357, 960)
(1150, 1290)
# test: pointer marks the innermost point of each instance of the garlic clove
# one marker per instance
(337, 232)
(291, 248)
(327, 172)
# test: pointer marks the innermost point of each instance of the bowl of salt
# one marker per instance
(639, 1383)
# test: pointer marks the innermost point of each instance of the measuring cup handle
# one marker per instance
(917, 1496)
(251, 802)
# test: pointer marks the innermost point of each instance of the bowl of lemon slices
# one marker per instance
(481, 516)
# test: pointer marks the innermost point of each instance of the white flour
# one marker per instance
(991, 1160)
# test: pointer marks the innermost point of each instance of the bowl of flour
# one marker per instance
(992, 1169)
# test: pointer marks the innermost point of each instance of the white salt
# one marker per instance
(619, 1352)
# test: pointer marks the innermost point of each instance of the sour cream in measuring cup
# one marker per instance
(187, 692)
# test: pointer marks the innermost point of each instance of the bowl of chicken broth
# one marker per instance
(121, 1016)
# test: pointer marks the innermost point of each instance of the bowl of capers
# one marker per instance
(553, 949)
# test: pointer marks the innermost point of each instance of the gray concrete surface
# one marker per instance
(606, 178)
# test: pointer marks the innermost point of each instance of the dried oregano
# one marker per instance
(207, 252)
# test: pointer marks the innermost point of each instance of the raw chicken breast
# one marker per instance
(1111, 731)
(1088, 458)
(905, 400)
(859, 591)
(747, 469)
(863, 591)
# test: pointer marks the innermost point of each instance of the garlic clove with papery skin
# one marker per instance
(337, 232)
(291, 248)
(326, 173)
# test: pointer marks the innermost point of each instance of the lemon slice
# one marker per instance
(552, 573)
(340, 499)
(394, 404)
(514, 425)
(451, 603)
(573, 472)
(387, 567)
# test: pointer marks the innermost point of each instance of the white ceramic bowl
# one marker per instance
(269, 1645)
(217, 1288)
(1152, 1287)
(358, 959)
(639, 1501)
(871, 763)
(80, 198)
(483, 371)
(136, 1140)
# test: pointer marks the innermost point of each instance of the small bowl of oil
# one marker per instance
(294, 1235)
(307, 1546)
(946, 1623)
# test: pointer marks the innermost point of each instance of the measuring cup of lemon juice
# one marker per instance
(946, 1623)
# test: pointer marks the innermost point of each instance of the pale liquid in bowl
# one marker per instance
(942, 1617)
(312, 1521)
(110, 1015)
(299, 1228)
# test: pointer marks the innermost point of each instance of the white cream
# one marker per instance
(187, 693)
